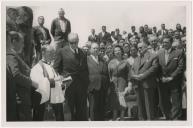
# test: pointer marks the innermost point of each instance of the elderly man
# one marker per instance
(41, 37)
(71, 60)
(172, 63)
(60, 28)
(93, 37)
(98, 83)
(144, 68)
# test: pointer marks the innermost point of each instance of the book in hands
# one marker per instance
(66, 79)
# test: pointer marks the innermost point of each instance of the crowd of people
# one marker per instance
(114, 76)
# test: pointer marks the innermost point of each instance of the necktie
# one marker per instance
(76, 54)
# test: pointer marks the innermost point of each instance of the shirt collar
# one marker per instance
(73, 50)
(95, 58)
(169, 50)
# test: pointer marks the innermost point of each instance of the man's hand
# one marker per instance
(67, 83)
(138, 77)
(166, 79)
(42, 42)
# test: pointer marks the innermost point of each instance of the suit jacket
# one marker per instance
(67, 63)
(106, 38)
(175, 65)
(148, 65)
(38, 36)
(93, 39)
(160, 32)
(20, 73)
(11, 106)
(98, 74)
(142, 34)
(132, 34)
(56, 30)
(118, 37)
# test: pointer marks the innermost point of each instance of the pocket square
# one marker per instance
(175, 58)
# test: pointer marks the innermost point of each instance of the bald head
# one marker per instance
(142, 47)
(94, 50)
(73, 40)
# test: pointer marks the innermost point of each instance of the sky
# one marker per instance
(86, 15)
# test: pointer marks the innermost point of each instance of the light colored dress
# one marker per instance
(119, 72)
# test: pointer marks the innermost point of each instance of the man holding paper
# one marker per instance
(71, 61)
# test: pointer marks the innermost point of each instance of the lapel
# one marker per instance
(171, 55)
(58, 22)
(44, 36)
(136, 65)
(94, 63)
(101, 64)
(144, 59)
(163, 58)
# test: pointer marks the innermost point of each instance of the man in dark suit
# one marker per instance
(60, 28)
(154, 32)
(98, 82)
(41, 37)
(104, 36)
(163, 31)
(71, 60)
(93, 37)
(18, 81)
(117, 36)
(172, 65)
(147, 29)
(133, 32)
(144, 69)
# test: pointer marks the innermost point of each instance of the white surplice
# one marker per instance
(54, 94)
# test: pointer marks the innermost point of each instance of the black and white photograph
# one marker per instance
(96, 61)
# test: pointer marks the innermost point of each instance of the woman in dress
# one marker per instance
(119, 72)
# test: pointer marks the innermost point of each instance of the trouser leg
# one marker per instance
(164, 95)
(149, 103)
(58, 110)
(38, 112)
(176, 101)
(141, 103)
